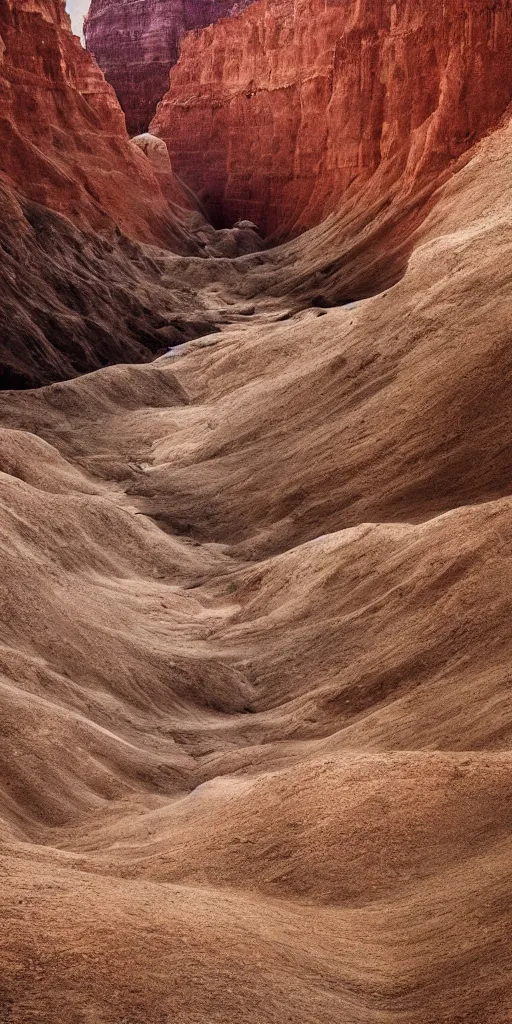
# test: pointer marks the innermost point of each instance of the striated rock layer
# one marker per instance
(63, 141)
(270, 119)
(136, 42)
(77, 199)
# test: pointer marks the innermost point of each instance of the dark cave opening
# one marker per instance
(14, 380)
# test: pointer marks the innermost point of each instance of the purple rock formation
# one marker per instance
(136, 42)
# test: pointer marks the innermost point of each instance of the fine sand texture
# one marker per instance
(255, 656)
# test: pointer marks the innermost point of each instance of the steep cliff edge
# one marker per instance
(63, 141)
(267, 119)
(77, 202)
(137, 43)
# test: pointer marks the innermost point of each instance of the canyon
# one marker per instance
(256, 519)
(136, 44)
(64, 141)
(78, 204)
(269, 119)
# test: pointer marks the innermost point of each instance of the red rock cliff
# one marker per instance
(75, 292)
(63, 141)
(137, 42)
(276, 114)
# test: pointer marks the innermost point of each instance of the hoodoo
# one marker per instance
(291, 110)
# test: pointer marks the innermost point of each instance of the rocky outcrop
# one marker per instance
(137, 43)
(63, 141)
(75, 196)
(78, 290)
(268, 119)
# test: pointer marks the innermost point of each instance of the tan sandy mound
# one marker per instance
(397, 409)
(255, 663)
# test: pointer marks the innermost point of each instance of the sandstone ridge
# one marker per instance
(63, 138)
(255, 659)
(79, 207)
(268, 119)
(136, 44)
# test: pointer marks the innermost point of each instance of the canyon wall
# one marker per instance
(270, 120)
(77, 199)
(137, 43)
(63, 140)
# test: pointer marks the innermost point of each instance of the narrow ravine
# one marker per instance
(256, 523)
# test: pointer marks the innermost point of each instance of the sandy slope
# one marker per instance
(255, 663)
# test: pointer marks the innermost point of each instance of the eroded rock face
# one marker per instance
(270, 120)
(63, 140)
(77, 289)
(137, 43)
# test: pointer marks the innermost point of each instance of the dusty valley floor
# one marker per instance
(256, 704)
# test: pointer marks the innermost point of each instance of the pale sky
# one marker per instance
(76, 10)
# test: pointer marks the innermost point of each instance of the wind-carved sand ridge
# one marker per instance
(255, 690)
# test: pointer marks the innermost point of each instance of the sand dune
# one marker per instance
(255, 661)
